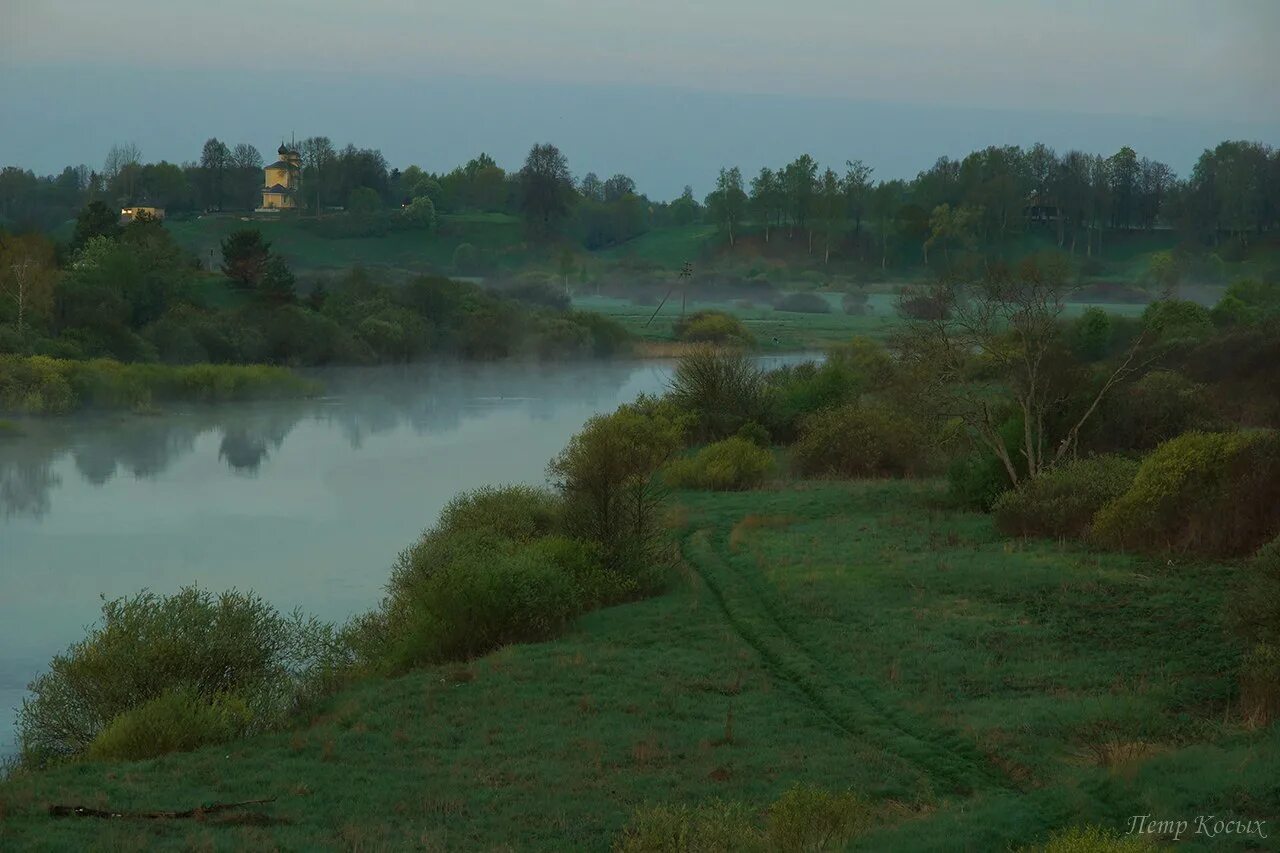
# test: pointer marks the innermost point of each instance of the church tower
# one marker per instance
(282, 179)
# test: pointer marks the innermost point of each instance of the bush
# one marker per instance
(733, 464)
(520, 513)
(486, 595)
(1094, 839)
(34, 386)
(148, 646)
(1062, 502)
(1159, 406)
(720, 390)
(858, 440)
(714, 827)
(606, 477)
(1174, 319)
(803, 303)
(608, 337)
(178, 721)
(1215, 494)
(807, 818)
(1254, 607)
(713, 327)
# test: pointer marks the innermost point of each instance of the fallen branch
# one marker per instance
(197, 812)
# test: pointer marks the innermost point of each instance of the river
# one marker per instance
(305, 502)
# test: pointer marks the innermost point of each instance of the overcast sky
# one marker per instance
(80, 74)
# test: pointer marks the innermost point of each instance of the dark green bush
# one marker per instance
(859, 440)
(1215, 494)
(148, 646)
(855, 304)
(1254, 606)
(606, 476)
(733, 464)
(178, 721)
(721, 390)
(1175, 320)
(517, 512)
(713, 327)
(1159, 406)
(1063, 501)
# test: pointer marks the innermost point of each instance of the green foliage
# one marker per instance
(244, 257)
(721, 390)
(421, 212)
(1090, 334)
(45, 386)
(1157, 407)
(713, 327)
(1254, 608)
(1093, 839)
(807, 819)
(976, 479)
(859, 440)
(1210, 493)
(1063, 501)
(1247, 302)
(177, 721)
(729, 465)
(712, 827)
(606, 476)
(363, 200)
(1176, 320)
(148, 646)
(516, 512)
(800, 390)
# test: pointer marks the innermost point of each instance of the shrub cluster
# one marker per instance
(176, 662)
(713, 327)
(859, 440)
(1210, 493)
(733, 464)
(720, 390)
(1063, 501)
(45, 386)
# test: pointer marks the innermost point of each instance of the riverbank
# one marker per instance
(38, 385)
(979, 692)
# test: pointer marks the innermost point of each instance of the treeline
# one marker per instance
(131, 294)
(1232, 193)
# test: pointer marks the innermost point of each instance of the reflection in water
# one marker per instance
(305, 502)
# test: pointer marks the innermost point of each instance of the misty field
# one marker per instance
(980, 692)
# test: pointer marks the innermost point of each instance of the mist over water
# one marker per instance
(306, 503)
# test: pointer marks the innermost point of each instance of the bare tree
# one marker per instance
(317, 156)
(121, 167)
(26, 274)
(1008, 330)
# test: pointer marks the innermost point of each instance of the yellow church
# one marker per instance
(280, 187)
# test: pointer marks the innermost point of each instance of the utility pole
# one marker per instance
(686, 275)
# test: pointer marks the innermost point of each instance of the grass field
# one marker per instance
(982, 692)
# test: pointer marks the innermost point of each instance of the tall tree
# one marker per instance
(546, 189)
(120, 169)
(799, 181)
(832, 204)
(317, 159)
(857, 191)
(27, 270)
(766, 192)
(728, 202)
(215, 163)
(244, 257)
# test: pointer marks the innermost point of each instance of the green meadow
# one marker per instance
(981, 692)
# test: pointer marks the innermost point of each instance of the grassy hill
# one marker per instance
(981, 692)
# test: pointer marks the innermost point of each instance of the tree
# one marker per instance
(618, 187)
(766, 194)
(95, 220)
(363, 200)
(278, 283)
(1011, 325)
(832, 207)
(244, 257)
(885, 200)
(799, 181)
(857, 190)
(317, 158)
(27, 270)
(948, 225)
(684, 210)
(421, 212)
(120, 168)
(246, 167)
(546, 188)
(592, 188)
(728, 202)
(215, 162)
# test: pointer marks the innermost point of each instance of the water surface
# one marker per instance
(306, 503)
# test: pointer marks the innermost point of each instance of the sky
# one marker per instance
(664, 90)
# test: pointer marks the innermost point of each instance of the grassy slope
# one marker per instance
(857, 634)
